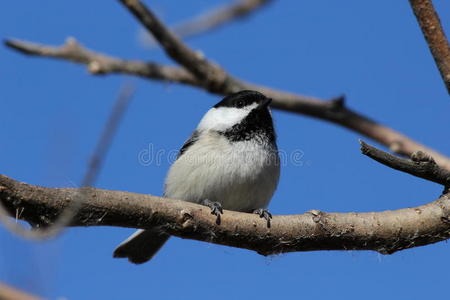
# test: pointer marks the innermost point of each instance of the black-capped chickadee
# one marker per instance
(230, 161)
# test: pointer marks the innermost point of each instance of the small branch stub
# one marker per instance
(420, 165)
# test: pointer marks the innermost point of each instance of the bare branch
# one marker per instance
(213, 19)
(99, 64)
(385, 232)
(10, 293)
(434, 34)
(209, 73)
(421, 164)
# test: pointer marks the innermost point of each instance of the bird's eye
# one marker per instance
(240, 104)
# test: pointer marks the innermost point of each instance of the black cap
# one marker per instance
(242, 99)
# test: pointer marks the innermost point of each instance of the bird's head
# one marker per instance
(241, 107)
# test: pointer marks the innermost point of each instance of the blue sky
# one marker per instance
(53, 112)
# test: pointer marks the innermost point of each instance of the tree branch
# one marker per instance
(210, 74)
(385, 232)
(421, 164)
(99, 64)
(434, 34)
(213, 19)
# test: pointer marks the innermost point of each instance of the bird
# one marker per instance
(229, 162)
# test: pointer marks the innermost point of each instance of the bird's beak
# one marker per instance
(265, 103)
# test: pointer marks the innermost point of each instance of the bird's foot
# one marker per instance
(216, 209)
(264, 213)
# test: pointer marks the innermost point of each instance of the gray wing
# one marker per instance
(194, 137)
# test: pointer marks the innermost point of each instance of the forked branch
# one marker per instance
(334, 111)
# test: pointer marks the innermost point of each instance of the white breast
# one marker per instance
(242, 176)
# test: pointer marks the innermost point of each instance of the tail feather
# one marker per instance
(141, 246)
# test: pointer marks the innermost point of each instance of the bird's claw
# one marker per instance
(264, 213)
(216, 209)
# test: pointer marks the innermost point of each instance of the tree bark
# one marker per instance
(385, 232)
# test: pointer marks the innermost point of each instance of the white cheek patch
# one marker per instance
(223, 118)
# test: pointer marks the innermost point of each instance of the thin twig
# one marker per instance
(434, 34)
(100, 64)
(212, 19)
(105, 141)
(65, 217)
(385, 232)
(421, 164)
